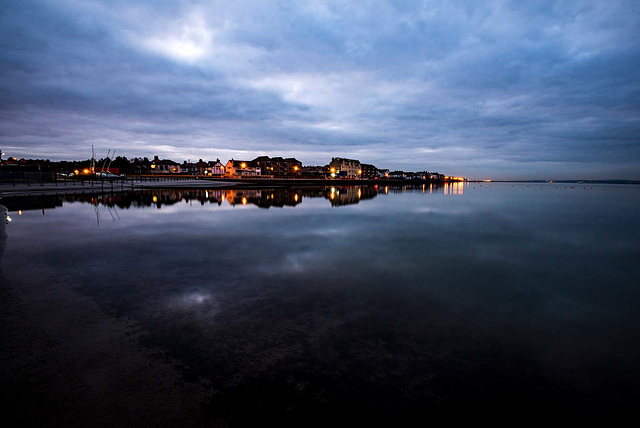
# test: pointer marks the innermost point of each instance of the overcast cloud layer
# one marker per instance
(492, 89)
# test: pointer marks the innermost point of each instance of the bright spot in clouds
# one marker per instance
(188, 39)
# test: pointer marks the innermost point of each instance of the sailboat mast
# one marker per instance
(93, 160)
(110, 159)
(105, 162)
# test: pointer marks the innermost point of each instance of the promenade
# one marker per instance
(100, 186)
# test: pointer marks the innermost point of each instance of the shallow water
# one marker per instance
(302, 305)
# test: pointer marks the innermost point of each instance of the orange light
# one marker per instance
(295, 198)
(244, 201)
(19, 212)
(86, 171)
(76, 172)
(295, 168)
(333, 170)
(359, 171)
(243, 165)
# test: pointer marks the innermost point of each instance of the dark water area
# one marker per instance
(316, 306)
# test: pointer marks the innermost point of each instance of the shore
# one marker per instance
(71, 187)
(75, 186)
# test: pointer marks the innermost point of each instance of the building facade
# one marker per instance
(345, 168)
(369, 171)
(165, 166)
(278, 166)
(216, 168)
(240, 168)
(315, 171)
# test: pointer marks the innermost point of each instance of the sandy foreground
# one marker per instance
(64, 362)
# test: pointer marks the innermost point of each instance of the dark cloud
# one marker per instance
(499, 89)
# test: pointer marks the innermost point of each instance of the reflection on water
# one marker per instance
(263, 198)
(455, 188)
(406, 303)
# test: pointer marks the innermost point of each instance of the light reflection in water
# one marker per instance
(454, 188)
(336, 195)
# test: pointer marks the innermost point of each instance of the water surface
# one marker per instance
(366, 303)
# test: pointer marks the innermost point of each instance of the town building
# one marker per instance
(369, 171)
(398, 175)
(293, 167)
(315, 171)
(345, 168)
(195, 168)
(278, 166)
(383, 173)
(165, 166)
(215, 168)
(240, 168)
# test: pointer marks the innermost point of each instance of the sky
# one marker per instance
(491, 89)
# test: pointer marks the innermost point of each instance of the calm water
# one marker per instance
(300, 305)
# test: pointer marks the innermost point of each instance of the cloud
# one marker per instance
(500, 89)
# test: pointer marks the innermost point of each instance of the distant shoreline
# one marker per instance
(561, 181)
(182, 182)
(133, 183)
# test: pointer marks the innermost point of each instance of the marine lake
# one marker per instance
(307, 306)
